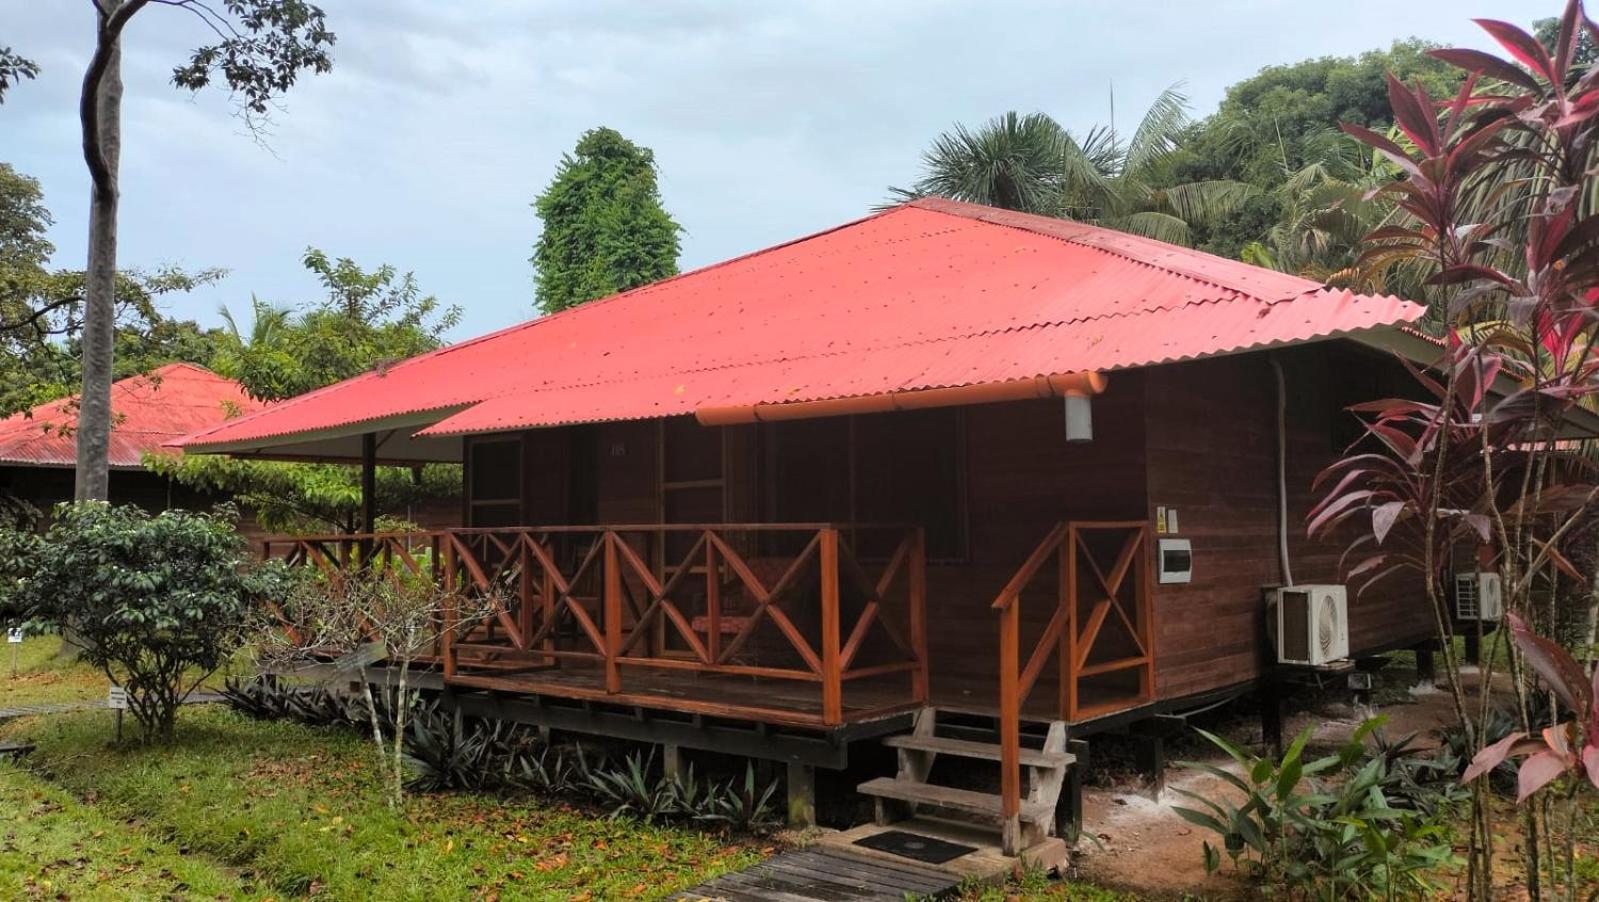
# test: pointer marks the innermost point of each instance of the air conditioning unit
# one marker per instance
(1312, 624)
(1479, 596)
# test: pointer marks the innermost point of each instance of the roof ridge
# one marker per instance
(1048, 227)
(513, 391)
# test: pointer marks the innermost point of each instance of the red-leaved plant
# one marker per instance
(1498, 207)
(1571, 747)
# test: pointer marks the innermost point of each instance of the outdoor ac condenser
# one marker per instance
(1312, 625)
(1479, 596)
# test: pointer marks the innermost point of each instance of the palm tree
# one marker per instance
(1032, 164)
(257, 359)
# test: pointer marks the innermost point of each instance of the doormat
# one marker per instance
(917, 848)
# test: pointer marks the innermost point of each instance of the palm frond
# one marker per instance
(1206, 201)
(1158, 132)
(1150, 224)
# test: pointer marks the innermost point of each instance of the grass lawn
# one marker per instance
(297, 810)
(53, 846)
(42, 678)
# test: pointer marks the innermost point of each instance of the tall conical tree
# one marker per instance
(605, 229)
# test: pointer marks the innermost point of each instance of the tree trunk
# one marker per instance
(102, 140)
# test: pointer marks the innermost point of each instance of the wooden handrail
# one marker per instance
(626, 606)
(1066, 641)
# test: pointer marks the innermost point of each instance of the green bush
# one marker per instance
(1356, 824)
(157, 602)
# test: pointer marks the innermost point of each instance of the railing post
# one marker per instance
(449, 607)
(524, 591)
(547, 606)
(1069, 639)
(713, 603)
(918, 613)
(1010, 725)
(613, 613)
(832, 679)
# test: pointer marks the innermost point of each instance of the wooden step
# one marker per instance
(985, 804)
(986, 751)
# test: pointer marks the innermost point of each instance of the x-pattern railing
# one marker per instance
(611, 595)
(1122, 590)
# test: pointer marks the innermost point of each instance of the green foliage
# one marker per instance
(308, 499)
(1355, 824)
(13, 69)
(368, 320)
(1032, 164)
(159, 602)
(742, 807)
(605, 229)
(262, 46)
(41, 310)
(1278, 132)
(444, 751)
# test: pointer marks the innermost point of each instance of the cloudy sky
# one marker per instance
(443, 119)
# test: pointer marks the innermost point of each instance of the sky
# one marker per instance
(442, 120)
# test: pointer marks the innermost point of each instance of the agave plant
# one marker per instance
(632, 790)
(742, 808)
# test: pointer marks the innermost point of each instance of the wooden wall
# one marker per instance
(1198, 437)
(1212, 456)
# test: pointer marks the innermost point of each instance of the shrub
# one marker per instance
(1352, 824)
(157, 602)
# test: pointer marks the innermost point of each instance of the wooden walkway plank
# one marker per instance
(827, 875)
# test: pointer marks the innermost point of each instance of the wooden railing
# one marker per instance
(774, 602)
(1100, 623)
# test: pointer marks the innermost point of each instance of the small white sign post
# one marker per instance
(116, 699)
(14, 639)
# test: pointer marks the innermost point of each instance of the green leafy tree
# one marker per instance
(1032, 164)
(1278, 131)
(159, 602)
(605, 229)
(367, 320)
(41, 309)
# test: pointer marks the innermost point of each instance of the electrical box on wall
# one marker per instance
(1174, 561)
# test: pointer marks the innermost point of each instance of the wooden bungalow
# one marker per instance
(940, 469)
(39, 451)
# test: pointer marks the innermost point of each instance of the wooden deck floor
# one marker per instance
(827, 875)
(774, 701)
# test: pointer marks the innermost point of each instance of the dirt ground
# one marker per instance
(1136, 842)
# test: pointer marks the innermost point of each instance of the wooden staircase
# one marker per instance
(1047, 769)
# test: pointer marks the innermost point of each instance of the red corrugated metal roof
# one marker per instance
(148, 411)
(932, 294)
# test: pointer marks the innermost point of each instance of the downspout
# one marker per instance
(1282, 472)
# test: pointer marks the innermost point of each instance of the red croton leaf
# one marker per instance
(1537, 771)
(1555, 665)
(1523, 46)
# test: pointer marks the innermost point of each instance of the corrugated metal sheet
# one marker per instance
(148, 412)
(928, 295)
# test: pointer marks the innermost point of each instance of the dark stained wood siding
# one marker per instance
(1212, 456)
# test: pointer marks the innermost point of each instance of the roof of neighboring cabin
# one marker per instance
(930, 294)
(148, 411)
